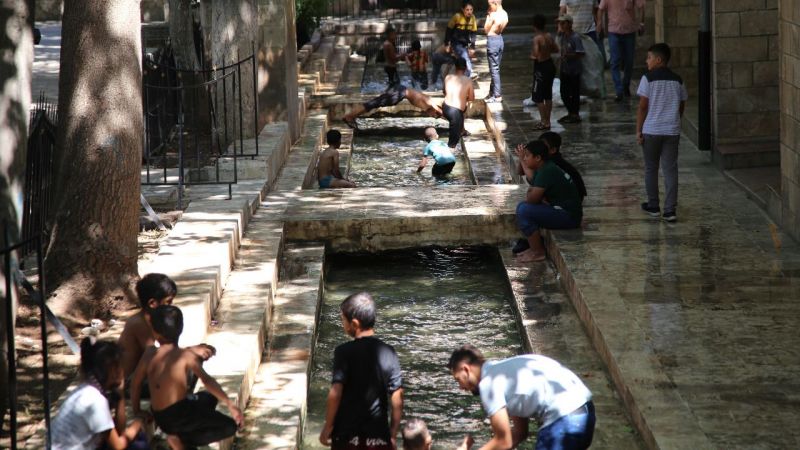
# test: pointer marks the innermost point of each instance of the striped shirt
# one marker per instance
(582, 12)
(665, 91)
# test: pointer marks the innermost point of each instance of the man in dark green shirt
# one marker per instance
(552, 202)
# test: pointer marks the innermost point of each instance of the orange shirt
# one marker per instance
(418, 61)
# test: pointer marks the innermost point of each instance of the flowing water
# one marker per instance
(380, 160)
(430, 301)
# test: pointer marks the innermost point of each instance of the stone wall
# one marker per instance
(745, 43)
(789, 212)
(676, 23)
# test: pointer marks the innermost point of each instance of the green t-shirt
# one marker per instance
(559, 190)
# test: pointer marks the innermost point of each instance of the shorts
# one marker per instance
(360, 443)
(456, 118)
(195, 420)
(442, 169)
(325, 182)
(390, 97)
(544, 72)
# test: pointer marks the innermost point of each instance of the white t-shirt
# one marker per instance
(83, 416)
(531, 386)
(582, 12)
(665, 91)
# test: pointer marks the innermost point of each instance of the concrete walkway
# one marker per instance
(696, 320)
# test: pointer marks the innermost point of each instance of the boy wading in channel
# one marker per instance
(571, 67)
(662, 98)
(496, 21)
(551, 202)
(440, 152)
(522, 387)
(189, 419)
(544, 72)
(390, 57)
(417, 60)
(328, 173)
(366, 379)
(458, 92)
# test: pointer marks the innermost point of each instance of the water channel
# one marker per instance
(430, 301)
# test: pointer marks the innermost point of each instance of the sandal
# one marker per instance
(540, 126)
(351, 123)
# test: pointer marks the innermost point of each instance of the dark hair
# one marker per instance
(97, 358)
(466, 3)
(538, 148)
(334, 137)
(661, 50)
(552, 139)
(539, 21)
(466, 353)
(416, 45)
(415, 434)
(360, 306)
(156, 286)
(461, 63)
(167, 321)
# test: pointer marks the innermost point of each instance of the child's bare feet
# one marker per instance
(530, 256)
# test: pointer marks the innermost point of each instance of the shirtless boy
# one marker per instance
(496, 21)
(153, 290)
(391, 97)
(544, 72)
(458, 92)
(328, 173)
(390, 57)
(190, 420)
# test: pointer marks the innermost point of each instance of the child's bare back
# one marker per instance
(135, 338)
(543, 46)
(167, 370)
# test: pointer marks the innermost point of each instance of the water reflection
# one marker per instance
(429, 302)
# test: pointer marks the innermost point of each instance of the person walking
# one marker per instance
(496, 22)
(619, 19)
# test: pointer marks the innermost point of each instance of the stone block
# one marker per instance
(688, 16)
(742, 75)
(790, 164)
(765, 73)
(724, 75)
(670, 17)
(738, 5)
(726, 124)
(741, 49)
(774, 49)
(682, 36)
(755, 23)
(772, 4)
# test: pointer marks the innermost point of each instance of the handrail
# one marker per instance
(218, 69)
(191, 86)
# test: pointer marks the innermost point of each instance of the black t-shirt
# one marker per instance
(573, 173)
(370, 371)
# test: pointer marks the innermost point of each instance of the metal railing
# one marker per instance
(39, 171)
(393, 9)
(195, 120)
(11, 272)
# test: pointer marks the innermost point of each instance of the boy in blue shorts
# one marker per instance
(328, 173)
(444, 161)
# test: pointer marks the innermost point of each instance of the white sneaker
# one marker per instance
(528, 102)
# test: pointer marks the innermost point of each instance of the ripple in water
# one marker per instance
(430, 301)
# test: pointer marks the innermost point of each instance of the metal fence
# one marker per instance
(11, 272)
(39, 171)
(195, 121)
(393, 9)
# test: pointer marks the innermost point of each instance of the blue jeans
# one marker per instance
(437, 60)
(532, 216)
(571, 432)
(494, 50)
(622, 50)
(460, 51)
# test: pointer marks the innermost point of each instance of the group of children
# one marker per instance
(148, 360)
(417, 60)
(365, 401)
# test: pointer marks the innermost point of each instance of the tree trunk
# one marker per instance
(16, 44)
(91, 259)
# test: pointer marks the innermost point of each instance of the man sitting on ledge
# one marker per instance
(391, 97)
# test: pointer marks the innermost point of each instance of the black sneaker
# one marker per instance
(520, 246)
(669, 216)
(654, 212)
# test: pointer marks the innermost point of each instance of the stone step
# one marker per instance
(245, 312)
(486, 163)
(275, 412)
(746, 155)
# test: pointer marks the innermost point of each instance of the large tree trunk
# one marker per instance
(16, 48)
(91, 260)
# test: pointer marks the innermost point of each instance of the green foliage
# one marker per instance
(309, 12)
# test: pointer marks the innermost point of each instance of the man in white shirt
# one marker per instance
(524, 387)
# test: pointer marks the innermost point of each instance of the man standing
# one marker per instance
(622, 26)
(390, 57)
(461, 33)
(523, 387)
(496, 21)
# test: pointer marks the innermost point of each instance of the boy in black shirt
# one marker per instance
(553, 142)
(366, 377)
